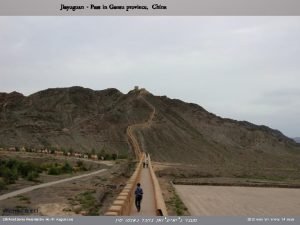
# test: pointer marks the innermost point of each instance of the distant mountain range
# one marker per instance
(185, 133)
(297, 139)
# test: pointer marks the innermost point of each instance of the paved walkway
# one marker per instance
(148, 202)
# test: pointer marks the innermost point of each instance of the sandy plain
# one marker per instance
(239, 201)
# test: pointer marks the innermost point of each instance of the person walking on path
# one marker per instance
(138, 196)
(146, 162)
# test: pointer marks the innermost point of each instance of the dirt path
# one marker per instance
(239, 201)
(107, 163)
(28, 189)
(148, 202)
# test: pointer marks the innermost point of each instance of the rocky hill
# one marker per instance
(84, 119)
(77, 118)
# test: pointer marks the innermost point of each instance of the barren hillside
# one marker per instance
(84, 119)
(77, 118)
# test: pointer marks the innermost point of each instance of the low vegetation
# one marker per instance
(173, 202)
(57, 169)
(86, 203)
(177, 205)
(24, 199)
(102, 155)
(12, 169)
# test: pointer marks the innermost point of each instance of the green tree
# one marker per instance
(9, 176)
(107, 156)
(67, 168)
(32, 176)
(54, 170)
(2, 184)
(26, 168)
(11, 163)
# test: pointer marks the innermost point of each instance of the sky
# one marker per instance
(244, 68)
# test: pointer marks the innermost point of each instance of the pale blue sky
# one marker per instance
(244, 68)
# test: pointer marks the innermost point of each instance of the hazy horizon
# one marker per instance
(243, 68)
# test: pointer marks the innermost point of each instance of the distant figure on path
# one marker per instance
(146, 162)
(138, 196)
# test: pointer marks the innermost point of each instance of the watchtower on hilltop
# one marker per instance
(140, 90)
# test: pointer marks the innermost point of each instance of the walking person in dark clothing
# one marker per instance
(138, 196)
(146, 162)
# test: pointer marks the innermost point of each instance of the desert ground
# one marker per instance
(87, 195)
(239, 201)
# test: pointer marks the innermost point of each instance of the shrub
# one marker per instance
(114, 156)
(26, 168)
(79, 163)
(54, 171)
(67, 168)
(11, 163)
(2, 184)
(122, 157)
(32, 176)
(9, 176)
(89, 203)
(11, 169)
(107, 157)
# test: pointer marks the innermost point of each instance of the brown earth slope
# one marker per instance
(77, 118)
(181, 133)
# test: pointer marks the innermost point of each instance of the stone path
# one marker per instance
(148, 202)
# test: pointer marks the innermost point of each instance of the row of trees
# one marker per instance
(103, 155)
(57, 169)
(11, 170)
